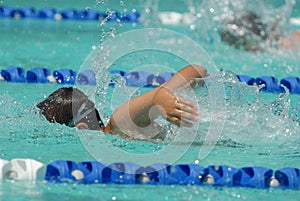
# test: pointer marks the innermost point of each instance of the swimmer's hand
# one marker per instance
(175, 109)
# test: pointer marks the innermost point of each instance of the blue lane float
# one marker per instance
(270, 83)
(6, 11)
(73, 14)
(288, 178)
(138, 79)
(135, 78)
(89, 15)
(38, 75)
(65, 76)
(120, 173)
(153, 174)
(254, 177)
(186, 174)
(92, 170)
(219, 175)
(47, 13)
(68, 14)
(292, 83)
(127, 173)
(131, 17)
(164, 174)
(145, 79)
(13, 74)
(61, 171)
(247, 79)
(113, 16)
(25, 12)
(86, 77)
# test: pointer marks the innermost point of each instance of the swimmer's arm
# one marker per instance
(184, 76)
(140, 111)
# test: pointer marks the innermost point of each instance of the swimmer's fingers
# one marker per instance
(178, 121)
(187, 110)
(183, 118)
(185, 115)
(176, 109)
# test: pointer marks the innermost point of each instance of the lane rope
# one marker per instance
(68, 14)
(134, 78)
(166, 18)
(94, 172)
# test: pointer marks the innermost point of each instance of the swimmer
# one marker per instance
(251, 34)
(73, 108)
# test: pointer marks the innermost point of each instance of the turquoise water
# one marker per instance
(252, 134)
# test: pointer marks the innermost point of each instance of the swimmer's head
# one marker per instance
(71, 107)
(246, 32)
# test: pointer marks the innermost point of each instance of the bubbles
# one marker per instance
(100, 2)
(192, 27)
(151, 13)
(255, 119)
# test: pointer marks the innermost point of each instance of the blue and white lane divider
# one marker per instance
(93, 172)
(270, 83)
(166, 18)
(87, 77)
(68, 14)
(133, 78)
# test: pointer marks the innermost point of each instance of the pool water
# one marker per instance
(261, 129)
